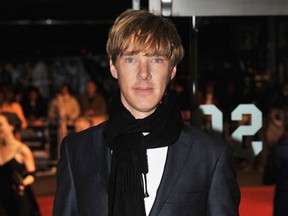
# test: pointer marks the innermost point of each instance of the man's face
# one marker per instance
(91, 88)
(142, 80)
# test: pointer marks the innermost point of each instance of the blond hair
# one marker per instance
(151, 34)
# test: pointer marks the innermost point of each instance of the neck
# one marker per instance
(8, 140)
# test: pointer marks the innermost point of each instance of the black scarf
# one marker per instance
(124, 135)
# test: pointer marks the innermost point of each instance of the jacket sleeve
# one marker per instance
(224, 192)
(65, 201)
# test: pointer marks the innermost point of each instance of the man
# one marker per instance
(93, 103)
(144, 160)
(64, 107)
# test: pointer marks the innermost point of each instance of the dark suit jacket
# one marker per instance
(199, 177)
(276, 172)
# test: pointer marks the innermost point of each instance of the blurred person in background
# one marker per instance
(63, 110)
(8, 104)
(34, 106)
(17, 171)
(93, 104)
(82, 123)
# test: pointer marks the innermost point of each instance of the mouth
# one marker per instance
(143, 90)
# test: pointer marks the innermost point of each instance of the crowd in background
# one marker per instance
(62, 110)
(60, 92)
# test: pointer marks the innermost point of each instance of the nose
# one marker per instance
(144, 72)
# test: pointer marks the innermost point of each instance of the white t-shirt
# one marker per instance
(156, 163)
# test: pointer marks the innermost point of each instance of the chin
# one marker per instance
(146, 109)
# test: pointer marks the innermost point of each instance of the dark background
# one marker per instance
(76, 26)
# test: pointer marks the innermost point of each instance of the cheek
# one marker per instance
(126, 78)
(167, 79)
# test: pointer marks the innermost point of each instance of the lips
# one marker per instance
(143, 90)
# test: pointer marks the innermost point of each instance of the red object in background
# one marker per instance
(256, 201)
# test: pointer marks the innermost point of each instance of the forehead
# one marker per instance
(3, 119)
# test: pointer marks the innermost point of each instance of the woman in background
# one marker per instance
(17, 169)
(8, 104)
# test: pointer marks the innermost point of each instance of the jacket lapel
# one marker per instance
(175, 161)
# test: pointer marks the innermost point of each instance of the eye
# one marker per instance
(130, 60)
(157, 60)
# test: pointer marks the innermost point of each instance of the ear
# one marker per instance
(173, 72)
(113, 69)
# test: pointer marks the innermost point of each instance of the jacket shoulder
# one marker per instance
(87, 133)
(200, 137)
(84, 140)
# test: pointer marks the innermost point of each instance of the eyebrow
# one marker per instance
(130, 53)
(127, 53)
